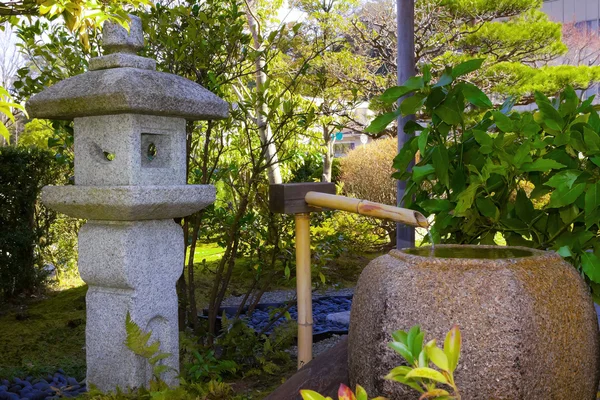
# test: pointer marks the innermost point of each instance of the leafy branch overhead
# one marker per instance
(492, 175)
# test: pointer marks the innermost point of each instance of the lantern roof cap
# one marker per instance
(121, 82)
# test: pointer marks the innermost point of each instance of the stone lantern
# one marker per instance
(130, 182)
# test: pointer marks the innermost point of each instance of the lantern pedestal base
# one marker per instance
(130, 267)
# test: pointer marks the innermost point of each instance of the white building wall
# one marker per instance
(572, 10)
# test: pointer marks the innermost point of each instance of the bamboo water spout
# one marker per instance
(300, 199)
(368, 208)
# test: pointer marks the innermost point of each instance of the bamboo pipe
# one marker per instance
(304, 289)
(368, 208)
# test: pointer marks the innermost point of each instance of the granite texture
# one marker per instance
(119, 60)
(128, 203)
(130, 267)
(116, 39)
(528, 324)
(127, 138)
(126, 90)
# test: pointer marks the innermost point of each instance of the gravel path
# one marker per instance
(281, 296)
(319, 347)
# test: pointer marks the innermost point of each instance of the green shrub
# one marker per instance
(26, 224)
(366, 174)
(486, 172)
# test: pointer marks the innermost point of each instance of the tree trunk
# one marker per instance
(262, 109)
(328, 156)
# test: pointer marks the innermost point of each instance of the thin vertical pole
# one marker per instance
(304, 289)
(405, 19)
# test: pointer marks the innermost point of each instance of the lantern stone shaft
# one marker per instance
(130, 182)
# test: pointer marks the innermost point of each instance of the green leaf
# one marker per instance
(381, 122)
(422, 141)
(406, 155)
(592, 202)
(436, 205)
(452, 345)
(423, 360)
(438, 357)
(569, 213)
(522, 155)
(400, 336)
(475, 96)
(448, 114)
(361, 393)
(398, 371)
(421, 172)
(562, 138)
(591, 139)
(564, 178)
(571, 101)
(411, 127)
(565, 251)
(551, 116)
(465, 200)
(427, 373)
(542, 165)
(410, 340)
(412, 104)
(487, 208)
(444, 80)
(524, 207)
(564, 196)
(311, 395)
(417, 345)
(441, 164)
(467, 67)
(590, 263)
(403, 350)
(437, 394)
(484, 140)
(392, 94)
(596, 160)
(408, 382)
(503, 123)
(4, 132)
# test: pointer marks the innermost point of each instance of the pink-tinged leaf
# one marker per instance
(344, 393)
(452, 346)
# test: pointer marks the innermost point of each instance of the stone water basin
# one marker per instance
(529, 326)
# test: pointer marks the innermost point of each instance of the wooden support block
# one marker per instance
(288, 198)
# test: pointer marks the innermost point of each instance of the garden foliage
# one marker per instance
(492, 175)
(26, 224)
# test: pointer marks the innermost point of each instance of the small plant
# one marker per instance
(344, 393)
(418, 375)
(137, 341)
(208, 367)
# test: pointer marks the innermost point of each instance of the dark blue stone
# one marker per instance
(15, 388)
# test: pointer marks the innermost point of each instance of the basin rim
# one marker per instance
(537, 256)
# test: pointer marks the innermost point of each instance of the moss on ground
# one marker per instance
(39, 337)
